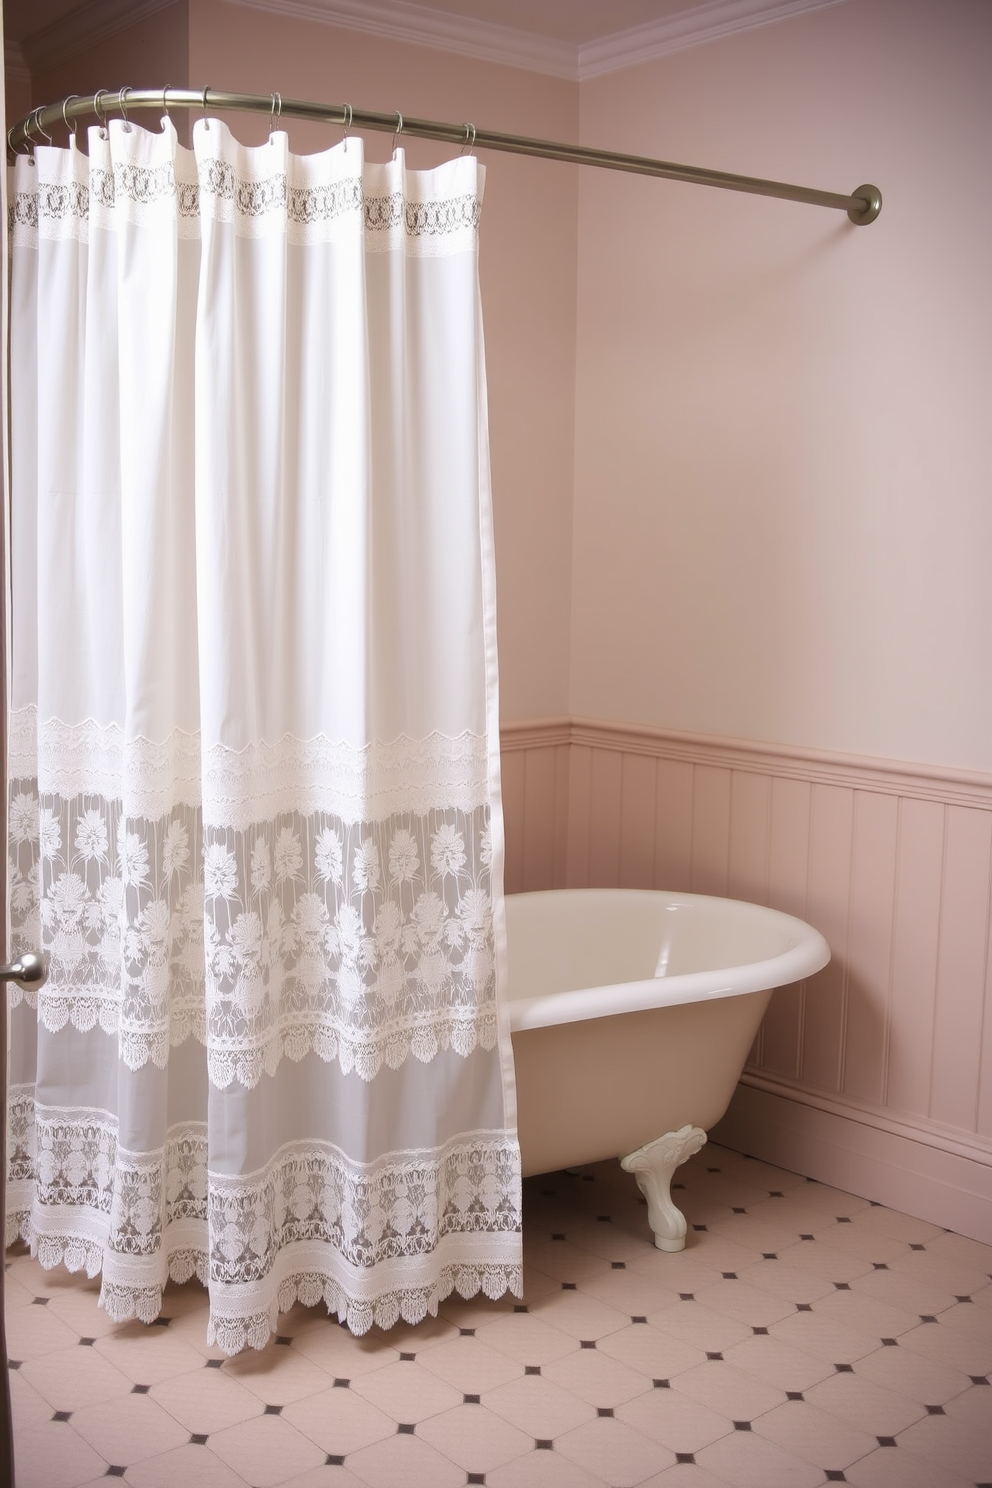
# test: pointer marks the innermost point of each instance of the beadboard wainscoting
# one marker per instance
(876, 1074)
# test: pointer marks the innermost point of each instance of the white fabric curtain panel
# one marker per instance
(255, 817)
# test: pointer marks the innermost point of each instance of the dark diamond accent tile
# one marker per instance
(912, 1246)
(587, 1343)
(833, 1476)
(604, 1410)
(87, 1342)
(272, 1410)
(115, 1472)
(794, 1395)
(775, 1193)
(962, 1299)
(557, 1237)
(284, 1342)
(407, 1358)
(842, 1286)
(935, 1410)
(140, 1389)
(40, 1301)
(927, 1317)
(569, 1286)
(14, 1363)
(804, 1307)
(729, 1275)
(618, 1265)
(742, 1425)
(700, 1229)
(677, 1185)
(687, 1296)
(734, 1210)
(161, 1322)
(198, 1441)
(471, 1399)
(713, 1170)
(890, 1342)
(879, 1266)
(638, 1320)
(334, 1459)
(769, 1255)
(62, 1415)
(542, 1444)
(759, 1330)
(344, 1384)
(685, 1457)
(532, 1369)
(807, 1237)
(466, 1332)
(844, 1368)
(843, 1218)
(405, 1428)
(520, 1307)
(979, 1379)
(714, 1355)
(662, 1384)
(886, 1441)
(210, 1364)
(476, 1478)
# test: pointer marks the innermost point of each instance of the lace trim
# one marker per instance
(56, 209)
(372, 1236)
(239, 787)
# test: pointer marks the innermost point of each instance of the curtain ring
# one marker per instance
(101, 113)
(25, 141)
(206, 121)
(469, 142)
(398, 130)
(65, 103)
(36, 124)
(120, 104)
(276, 113)
(349, 114)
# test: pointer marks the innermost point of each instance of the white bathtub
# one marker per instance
(632, 1013)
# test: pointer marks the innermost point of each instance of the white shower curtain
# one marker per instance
(254, 790)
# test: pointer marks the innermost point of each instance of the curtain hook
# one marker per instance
(398, 130)
(65, 118)
(349, 114)
(25, 141)
(165, 106)
(206, 121)
(36, 122)
(120, 104)
(276, 113)
(469, 142)
(101, 113)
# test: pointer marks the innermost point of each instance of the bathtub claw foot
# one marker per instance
(653, 1165)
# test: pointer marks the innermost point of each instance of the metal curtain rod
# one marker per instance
(862, 206)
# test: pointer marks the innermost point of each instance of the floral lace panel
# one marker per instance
(359, 1228)
(365, 943)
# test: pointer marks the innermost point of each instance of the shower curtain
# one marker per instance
(254, 776)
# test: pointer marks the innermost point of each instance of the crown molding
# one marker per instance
(711, 21)
(85, 27)
(15, 66)
(93, 23)
(487, 41)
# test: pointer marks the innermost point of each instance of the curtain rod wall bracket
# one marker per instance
(862, 206)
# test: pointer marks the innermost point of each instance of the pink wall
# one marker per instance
(782, 522)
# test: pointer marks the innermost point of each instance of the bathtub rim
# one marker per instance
(808, 953)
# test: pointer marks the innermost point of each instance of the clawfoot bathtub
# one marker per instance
(632, 1013)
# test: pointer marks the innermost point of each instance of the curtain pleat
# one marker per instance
(254, 794)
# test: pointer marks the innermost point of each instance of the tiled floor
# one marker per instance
(803, 1337)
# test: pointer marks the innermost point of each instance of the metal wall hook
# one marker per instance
(29, 970)
(276, 113)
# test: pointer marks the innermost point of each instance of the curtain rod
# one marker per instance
(862, 206)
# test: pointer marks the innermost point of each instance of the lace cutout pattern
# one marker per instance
(133, 1215)
(364, 942)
